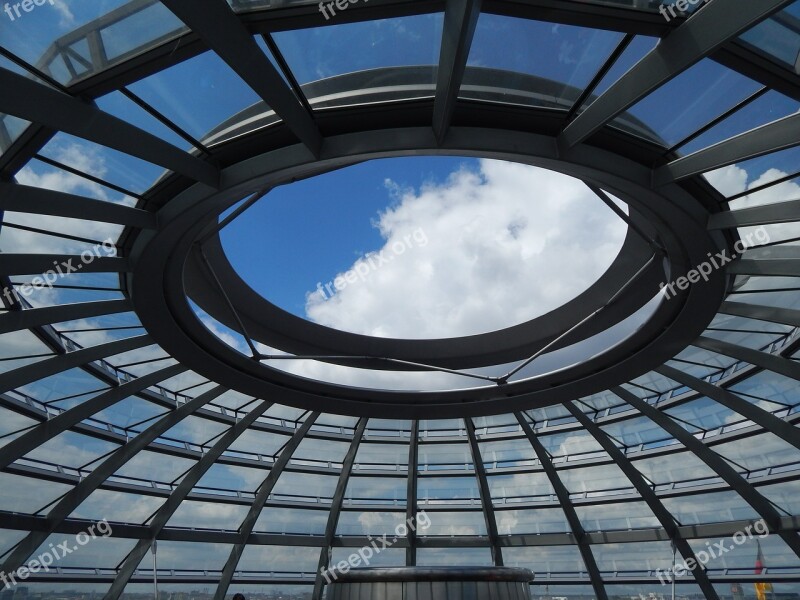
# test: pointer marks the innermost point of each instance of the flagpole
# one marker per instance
(674, 550)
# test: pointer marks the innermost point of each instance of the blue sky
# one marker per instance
(309, 231)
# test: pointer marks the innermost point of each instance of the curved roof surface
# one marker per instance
(148, 420)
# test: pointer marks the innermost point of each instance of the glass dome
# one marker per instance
(168, 430)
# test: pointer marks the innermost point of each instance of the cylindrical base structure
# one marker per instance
(430, 583)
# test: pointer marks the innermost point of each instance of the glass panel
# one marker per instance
(369, 49)
(775, 388)
(305, 487)
(114, 167)
(507, 453)
(745, 332)
(91, 546)
(561, 60)
(208, 515)
(703, 414)
(437, 489)
(741, 550)
(56, 36)
(769, 107)
(682, 467)
(779, 36)
(119, 105)
(632, 558)
(188, 556)
(451, 524)
(722, 89)
(253, 441)
(18, 492)
(545, 559)
(316, 451)
(616, 517)
(572, 444)
(370, 523)
(444, 456)
(635, 51)
(389, 457)
(785, 495)
(11, 128)
(778, 192)
(536, 521)
(281, 559)
(9, 539)
(290, 520)
(205, 82)
(590, 481)
(154, 466)
(717, 507)
(519, 488)
(738, 178)
(387, 557)
(368, 490)
(638, 434)
(447, 557)
(118, 507)
(71, 450)
(229, 477)
(764, 451)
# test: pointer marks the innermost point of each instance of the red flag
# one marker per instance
(759, 560)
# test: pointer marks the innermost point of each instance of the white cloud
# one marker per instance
(504, 245)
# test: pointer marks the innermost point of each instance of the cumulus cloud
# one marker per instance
(502, 245)
(84, 159)
(485, 249)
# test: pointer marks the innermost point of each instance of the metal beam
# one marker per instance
(63, 362)
(20, 522)
(775, 136)
(72, 499)
(36, 317)
(249, 522)
(698, 37)
(772, 267)
(786, 431)
(220, 28)
(336, 506)
(782, 212)
(411, 493)
(717, 463)
(33, 101)
(569, 510)
(25, 264)
(40, 201)
(771, 362)
(177, 497)
(460, 19)
(46, 430)
(486, 496)
(771, 314)
(649, 496)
